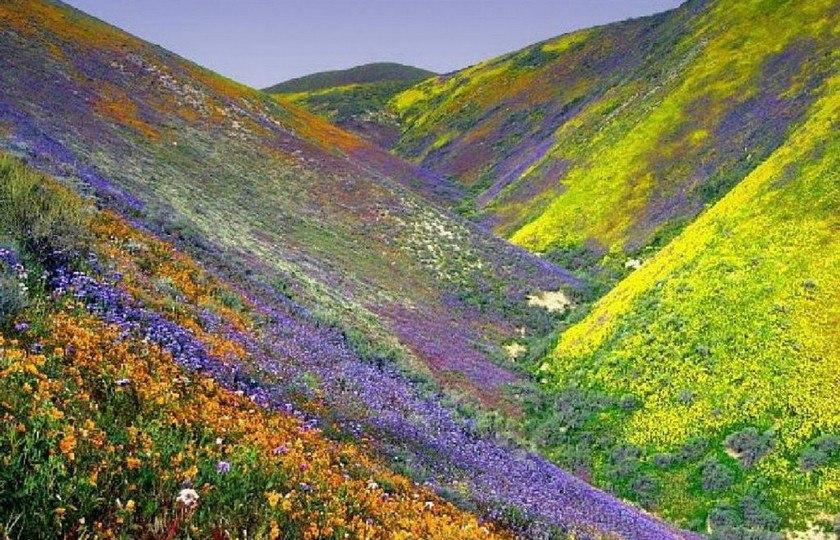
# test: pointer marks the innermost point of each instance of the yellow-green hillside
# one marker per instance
(717, 364)
(614, 138)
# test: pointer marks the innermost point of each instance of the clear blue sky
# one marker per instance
(262, 42)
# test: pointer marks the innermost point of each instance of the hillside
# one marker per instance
(123, 415)
(610, 140)
(271, 256)
(310, 211)
(379, 72)
(709, 376)
(704, 154)
(355, 99)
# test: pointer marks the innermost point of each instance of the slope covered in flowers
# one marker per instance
(711, 374)
(274, 193)
(611, 139)
(105, 434)
(141, 395)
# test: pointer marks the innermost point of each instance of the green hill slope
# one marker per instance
(612, 139)
(355, 99)
(706, 382)
(379, 72)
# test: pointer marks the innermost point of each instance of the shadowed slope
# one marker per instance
(355, 99)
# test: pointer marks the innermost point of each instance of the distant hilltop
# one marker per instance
(366, 74)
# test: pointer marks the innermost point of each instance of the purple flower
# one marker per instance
(222, 467)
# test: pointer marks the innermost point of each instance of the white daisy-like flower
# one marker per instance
(188, 498)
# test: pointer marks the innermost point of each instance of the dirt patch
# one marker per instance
(550, 300)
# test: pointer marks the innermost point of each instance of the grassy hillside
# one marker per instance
(355, 99)
(705, 383)
(611, 139)
(379, 72)
(329, 287)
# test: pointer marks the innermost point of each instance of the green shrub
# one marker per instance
(12, 298)
(820, 452)
(716, 476)
(750, 445)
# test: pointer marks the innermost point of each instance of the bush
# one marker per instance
(12, 299)
(44, 218)
(724, 516)
(716, 476)
(820, 452)
(750, 445)
(758, 515)
(694, 449)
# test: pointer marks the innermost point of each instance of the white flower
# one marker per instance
(188, 497)
(123, 382)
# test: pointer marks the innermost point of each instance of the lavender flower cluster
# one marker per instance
(406, 422)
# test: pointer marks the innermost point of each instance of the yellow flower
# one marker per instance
(273, 497)
(132, 462)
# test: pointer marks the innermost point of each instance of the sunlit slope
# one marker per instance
(726, 342)
(271, 192)
(613, 138)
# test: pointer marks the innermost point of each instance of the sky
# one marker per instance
(263, 42)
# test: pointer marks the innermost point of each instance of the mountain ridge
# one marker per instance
(375, 72)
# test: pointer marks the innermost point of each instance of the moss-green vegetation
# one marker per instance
(43, 217)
